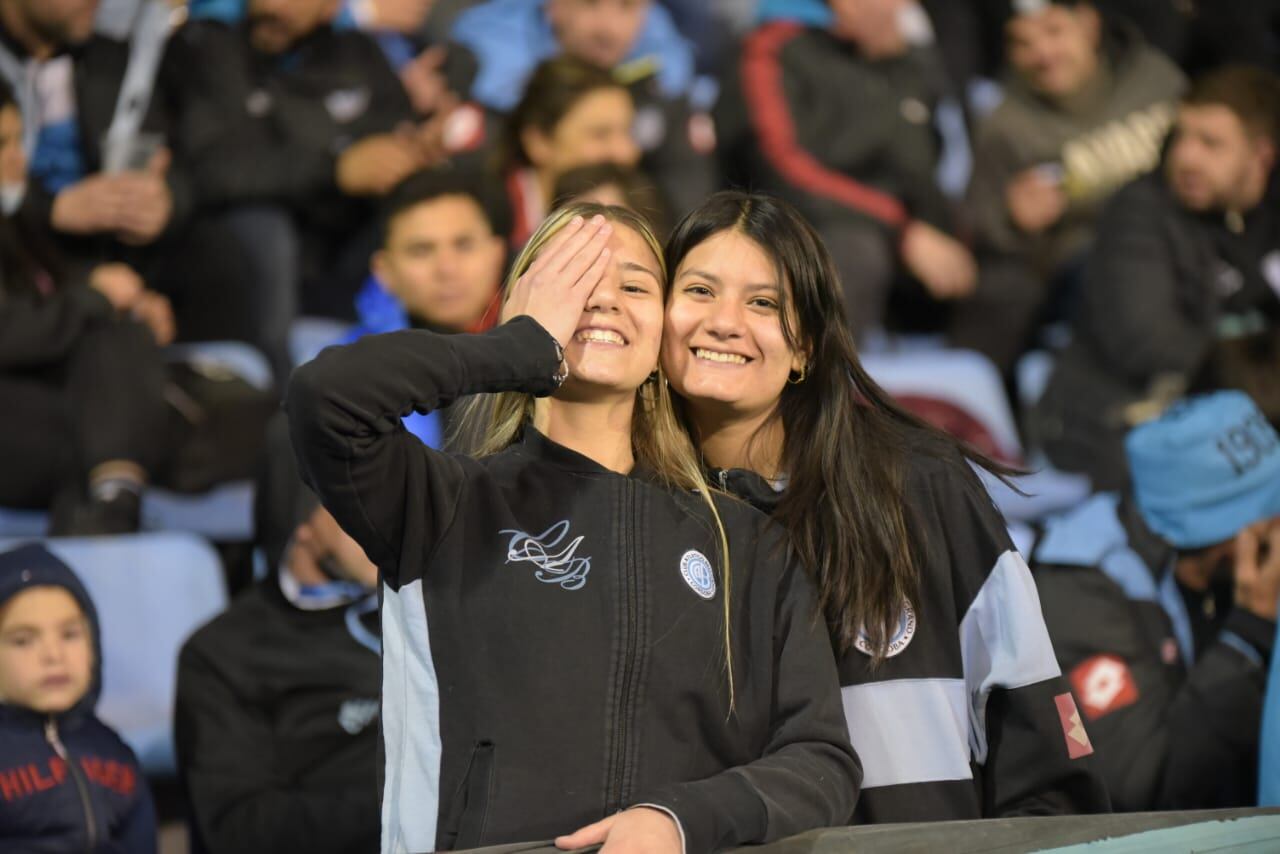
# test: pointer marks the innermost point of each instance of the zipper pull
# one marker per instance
(724, 480)
(51, 736)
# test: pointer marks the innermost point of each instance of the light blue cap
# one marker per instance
(1207, 468)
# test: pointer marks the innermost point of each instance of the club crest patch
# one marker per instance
(902, 634)
(698, 574)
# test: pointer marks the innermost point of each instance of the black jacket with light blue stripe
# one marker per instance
(1175, 717)
(966, 718)
(553, 639)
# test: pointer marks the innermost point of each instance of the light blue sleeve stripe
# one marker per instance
(410, 724)
(909, 730)
(1269, 785)
(1003, 642)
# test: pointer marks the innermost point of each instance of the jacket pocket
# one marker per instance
(472, 797)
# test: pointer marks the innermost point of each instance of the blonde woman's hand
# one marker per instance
(555, 288)
(639, 830)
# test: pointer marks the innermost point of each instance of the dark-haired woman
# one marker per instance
(572, 114)
(954, 699)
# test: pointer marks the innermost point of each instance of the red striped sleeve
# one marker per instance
(771, 119)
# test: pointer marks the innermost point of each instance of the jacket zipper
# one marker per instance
(82, 786)
(613, 802)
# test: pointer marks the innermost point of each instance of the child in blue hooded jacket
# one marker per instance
(67, 781)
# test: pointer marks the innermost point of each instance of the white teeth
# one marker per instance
(602, 336)
(726, 358)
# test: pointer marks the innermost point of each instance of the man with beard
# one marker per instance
(1161, 604)
(1183, 287)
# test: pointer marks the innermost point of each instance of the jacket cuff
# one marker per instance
(534, 339)
(723, 811)
(684, 843)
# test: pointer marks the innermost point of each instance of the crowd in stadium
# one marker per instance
(663, 425)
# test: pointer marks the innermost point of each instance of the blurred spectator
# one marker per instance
(68, 782)
(104, 184)
(440, 267)
(1186, 270)
(70, 79)
(80, 374)
(839, 120)
(1161, 603)
(276, 719)
(1085, 111)
(291, 128)
(611, 184)
(572, 114)
(441, 260)
(636, 41)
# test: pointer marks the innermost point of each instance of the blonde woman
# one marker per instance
(568, 640)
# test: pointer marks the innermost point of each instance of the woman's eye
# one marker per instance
(634, 288)
(698, 290)
(765, 303)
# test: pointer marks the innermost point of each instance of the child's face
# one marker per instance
(46, 652)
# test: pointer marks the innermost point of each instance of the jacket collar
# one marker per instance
(752, 488)
(534, 444)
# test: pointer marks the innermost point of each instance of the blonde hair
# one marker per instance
(658, 440)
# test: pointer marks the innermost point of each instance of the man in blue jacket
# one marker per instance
(1161, 603)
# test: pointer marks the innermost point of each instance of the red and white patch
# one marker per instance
(1169, 653)
(1078, 743)
(1103, 684)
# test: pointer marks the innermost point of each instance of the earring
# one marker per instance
(792, 379)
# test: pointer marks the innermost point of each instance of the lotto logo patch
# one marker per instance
(1078, 743)
(1103, 684)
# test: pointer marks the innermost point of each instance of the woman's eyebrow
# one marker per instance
(701, 274)
(639, 268)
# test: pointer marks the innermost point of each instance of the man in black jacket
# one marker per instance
(1184, 284)
(291, 129)
(104, 184)
(840, 121)
(276, 721)
(1161, 603)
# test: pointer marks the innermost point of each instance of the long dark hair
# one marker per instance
(846, 443)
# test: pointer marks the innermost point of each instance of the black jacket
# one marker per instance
(1161, 285)
(553, 632)
(1175, 712)
(263, 129)
(805, 116)
(677, 142)
(98, 70)
(276, 729)
(965, 718)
